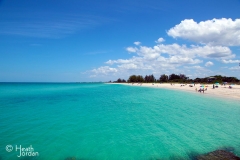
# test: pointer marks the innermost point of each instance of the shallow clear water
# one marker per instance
(103, 121)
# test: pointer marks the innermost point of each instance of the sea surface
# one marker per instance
(97, 121)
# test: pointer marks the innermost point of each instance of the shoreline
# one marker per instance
(220, 92)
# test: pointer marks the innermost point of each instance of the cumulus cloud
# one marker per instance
(104, 70)
(209, 63)
(197, 71)
(225, 32)
(168, 57)
(160, 40)
(182, 60)
(118, 61)
(199, 68)
(235, 68)
(230, 61)
(137, 43)
(131, 49)
(176, 49)
(128, 66)
(214, 35)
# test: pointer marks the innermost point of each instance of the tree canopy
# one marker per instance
(149, 78)
(134, 78)
(163, 78)
(178, 78)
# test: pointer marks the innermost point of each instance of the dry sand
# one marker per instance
(221, 91)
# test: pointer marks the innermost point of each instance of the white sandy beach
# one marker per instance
(221, 91)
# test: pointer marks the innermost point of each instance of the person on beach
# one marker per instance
(196, 89)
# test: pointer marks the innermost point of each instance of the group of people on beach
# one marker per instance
(201, 90)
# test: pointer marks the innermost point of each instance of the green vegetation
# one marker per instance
(181, 78)
(134, 78)
(121, 80)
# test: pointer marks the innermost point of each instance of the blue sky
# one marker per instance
(76, 40)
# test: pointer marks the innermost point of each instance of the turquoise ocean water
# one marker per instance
(103, 121)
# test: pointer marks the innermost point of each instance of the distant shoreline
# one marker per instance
(220, 92)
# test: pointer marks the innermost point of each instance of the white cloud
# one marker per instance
(131, 49)
(230, 61)
(118, 61)
(218, 52)
(104, 70)
(137, 43)
(214, 35)
(199, 68)
(209, 63)
(183, 60)
(128, 66)
(197, 71)
(165, 58)
(160, 40)
(225, 32)
(235, 68)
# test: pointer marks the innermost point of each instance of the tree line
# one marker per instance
(180, 78)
